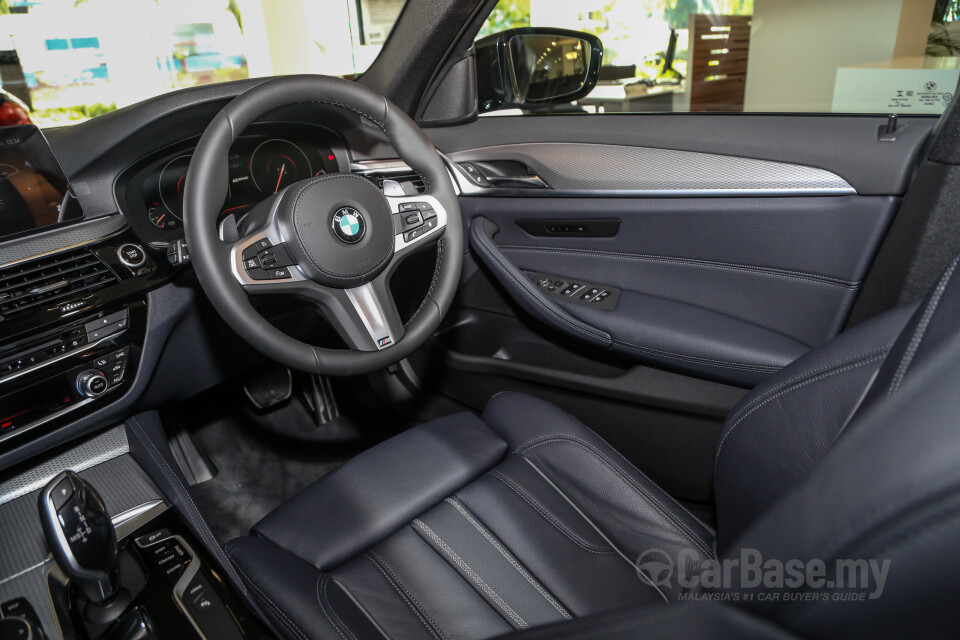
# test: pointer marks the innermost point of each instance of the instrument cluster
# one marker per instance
(263, 161)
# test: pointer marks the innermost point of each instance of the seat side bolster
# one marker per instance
(356, 506)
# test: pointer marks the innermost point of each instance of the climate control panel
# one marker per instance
(55, 373)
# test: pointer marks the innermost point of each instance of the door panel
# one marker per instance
(847, 146)
(573, 168)
(717, 287)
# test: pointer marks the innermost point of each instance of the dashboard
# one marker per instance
(102, 317)
(264, 160)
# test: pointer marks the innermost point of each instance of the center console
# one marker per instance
(67, 349)
(93, 550)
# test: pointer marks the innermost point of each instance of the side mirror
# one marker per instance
(535, 66)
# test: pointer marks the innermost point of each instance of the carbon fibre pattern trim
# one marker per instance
(59, 239)
(593, 167)
(106, 446)
(32, 585)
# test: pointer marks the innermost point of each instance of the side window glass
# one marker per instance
(762, 56)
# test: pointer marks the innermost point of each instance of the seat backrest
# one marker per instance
(885, 489)
(785, 425)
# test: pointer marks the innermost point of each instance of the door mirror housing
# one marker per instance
(535, 66)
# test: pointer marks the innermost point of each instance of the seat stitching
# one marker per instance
(565, 439)
(171, 476)
(556, 522)
(288, 622)
(806, 374)
(639, 570)
(473, 575)
(593, 333)
(822, 376)
(921, 330)
(774, 272)
(320, 601)
(404, 594)
(726, 364)
(709, 530)
(561, 436)
(510, 558)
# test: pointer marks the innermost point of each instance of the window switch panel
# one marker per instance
(574, 290)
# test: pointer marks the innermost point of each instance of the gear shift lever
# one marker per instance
(81, 536)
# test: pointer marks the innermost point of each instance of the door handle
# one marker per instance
(516, 182)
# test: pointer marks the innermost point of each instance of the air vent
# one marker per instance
(410, 178)
(51, 282)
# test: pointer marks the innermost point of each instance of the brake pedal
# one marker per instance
(268, 386)
(320, 399)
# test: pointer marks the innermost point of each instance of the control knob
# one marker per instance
(91, 383)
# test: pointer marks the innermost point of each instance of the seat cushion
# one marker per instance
(468, 527)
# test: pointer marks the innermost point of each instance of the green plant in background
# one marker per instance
(678, 15)
(677, 12)
(946, 11)
(508, 14)
(940, 42)
(53, 116)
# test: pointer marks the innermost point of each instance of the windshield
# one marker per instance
(71, 60)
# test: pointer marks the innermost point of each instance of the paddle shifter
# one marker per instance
(81, 537)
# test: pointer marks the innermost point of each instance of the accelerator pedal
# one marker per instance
(319, 398)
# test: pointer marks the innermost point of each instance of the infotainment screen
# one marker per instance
(33, 188)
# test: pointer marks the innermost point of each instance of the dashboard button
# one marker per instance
(131, 255)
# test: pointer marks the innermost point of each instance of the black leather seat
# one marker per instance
(472, 527)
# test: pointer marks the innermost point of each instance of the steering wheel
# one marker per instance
(334, 240)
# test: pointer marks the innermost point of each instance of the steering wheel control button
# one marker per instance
(412, 220)
(131, 255)
(273, 257)
(428, 212)
(281, 273)
(349, 225)
(255, 248)
(409, 206)
(92, 383)
(413, 234)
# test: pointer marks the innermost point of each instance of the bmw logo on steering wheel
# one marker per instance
(349, 225)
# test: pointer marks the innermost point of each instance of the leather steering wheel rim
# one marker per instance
(206, 190)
